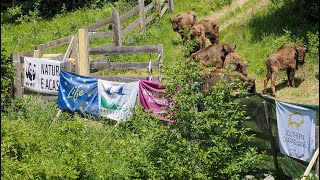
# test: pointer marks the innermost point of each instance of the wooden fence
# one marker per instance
(76, 58)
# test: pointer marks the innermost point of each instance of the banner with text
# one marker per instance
(149, 98)
(41, 75)
(296, 130)
(117, 99)
(78, 93)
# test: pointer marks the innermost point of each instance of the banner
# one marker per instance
(78, 93)
(117, 99)
(149, 98)
(296, 130)
(41, 75)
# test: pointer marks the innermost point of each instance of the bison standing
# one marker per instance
(213, 55)
(182, 22)
(205, 29)
(235, 63)
(287, 57)
(216, 76)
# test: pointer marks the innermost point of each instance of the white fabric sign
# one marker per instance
(41, 75)
(296, 130)
(117, 99)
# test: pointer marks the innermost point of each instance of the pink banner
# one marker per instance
(149, 92)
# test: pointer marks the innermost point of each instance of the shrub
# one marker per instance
(214, 139)
(7, 72)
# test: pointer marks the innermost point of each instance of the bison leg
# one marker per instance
(273, 83)
(290, 73)
(265, 82)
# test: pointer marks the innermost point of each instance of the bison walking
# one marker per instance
(287, 57)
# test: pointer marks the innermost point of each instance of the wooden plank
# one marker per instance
(68, 52)
(100, 35)
(125, 49)
(17, 81)
(68, 67)
(58, 58)
(83, 53)
(129, 14)
(124, 65)
(161, 2)
(55, 43)
(116, 28)
(28, 54)
(142, 16)
(148, 7)
(171, 7)
(97, 25)
(129, 28)
(150, 18)
(164, 9)
(125, 79)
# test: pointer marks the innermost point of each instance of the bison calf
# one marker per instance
(182, 22)
(287, 57)
(213, 55)
(235, 63)
(248, 83)
(205, 29)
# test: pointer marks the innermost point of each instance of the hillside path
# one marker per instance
(247, 13)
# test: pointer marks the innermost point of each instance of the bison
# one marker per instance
(216, 76)
(287, 57)
(205, 29)
(182, 22)
(235, 63)
(213, 55)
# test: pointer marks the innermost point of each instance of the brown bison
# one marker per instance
(182, 22)
(249, 83)
(287, 57)
(213, 55)
(235, 63)
(205, 29)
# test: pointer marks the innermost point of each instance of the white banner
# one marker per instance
(41, 75)
(296, 130)
(117, 99)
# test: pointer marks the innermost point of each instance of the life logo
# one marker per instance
(31, 71)
(295, 119)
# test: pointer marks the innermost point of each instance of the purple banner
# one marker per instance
(149, 92)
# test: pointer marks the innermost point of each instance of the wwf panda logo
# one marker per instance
(31, 72)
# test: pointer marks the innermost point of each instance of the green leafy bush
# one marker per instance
(214, 139)
(7, 72)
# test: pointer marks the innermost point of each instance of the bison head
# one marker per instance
(251, 85)
(227, 49)
(300, 54)
(175, 22)
(196, 31)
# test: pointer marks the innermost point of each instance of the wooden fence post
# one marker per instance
(17, 83)
(37, 53)
(271, 138)
(142, 17)
(170, 3)
(84, 65)
(116, 28)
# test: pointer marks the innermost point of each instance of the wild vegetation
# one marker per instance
(208, 144)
